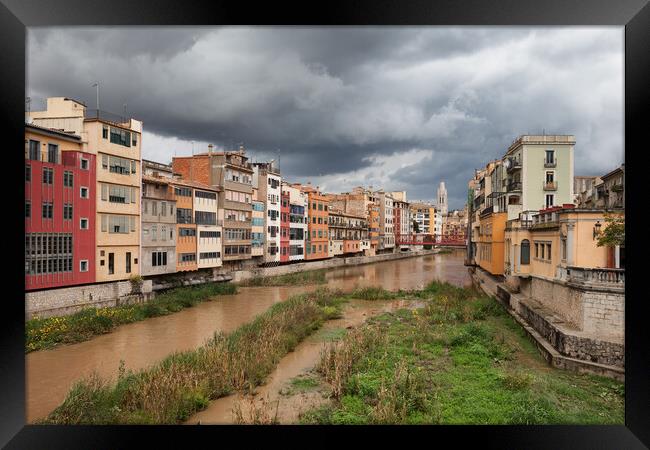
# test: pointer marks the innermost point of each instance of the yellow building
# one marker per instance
(116, 142)
(490, 241)
(546, 243)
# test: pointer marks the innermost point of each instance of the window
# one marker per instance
(105, 132)
(28, 209)
(34, 150)
(67, 211)
(542, 250)
(205, 218)
(186, 232)
(163, 209)
(111, 263)
(128, 262)
(120, 137)
(28, 173)
(188, 257)
(536, 250)
(549, 156)
(549, 200)
(52, 153)
(48, 175)
(207, 195)
(548, 251)
(83, 192)
(563, 242)
(83, 223)
(183, 191)
(48, 210)
(183, 215)
(525, 251)
(83, 265)
(209, 234)
(158, 258)
(84, 164)
(117, 223)
(134, 139)
(549, 177)
(209, 255)
(68, 179)
(154, 232)
(154, 208)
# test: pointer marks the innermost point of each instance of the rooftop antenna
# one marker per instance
(96, 86)
(125, 116)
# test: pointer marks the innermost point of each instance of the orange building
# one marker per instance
(317, 239)
(185, 227)
(490, 250)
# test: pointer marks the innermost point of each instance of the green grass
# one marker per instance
(372, 293)
(290, 279)
(45, 333)
(460, 360)
(183, 383)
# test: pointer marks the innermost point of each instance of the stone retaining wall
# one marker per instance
(64, 301)
(586, 349)
(242, 275)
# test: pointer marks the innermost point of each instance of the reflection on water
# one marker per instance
(51, 373)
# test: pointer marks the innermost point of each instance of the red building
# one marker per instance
(284, 227)
(59, 210)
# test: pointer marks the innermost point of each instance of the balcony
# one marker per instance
(550, 185)
(613, 279)
(550, 163)
(514, 186)
(514, 165)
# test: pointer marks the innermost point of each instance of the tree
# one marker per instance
(416, 227)
(614, 232)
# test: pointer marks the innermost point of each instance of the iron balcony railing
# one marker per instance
(550, 163)
(106, 116)
(550, 185)
(514, 186)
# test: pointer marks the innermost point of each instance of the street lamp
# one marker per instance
(596, 229)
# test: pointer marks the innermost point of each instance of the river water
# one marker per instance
(51, 373)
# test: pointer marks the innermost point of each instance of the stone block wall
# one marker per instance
(561, 299)
(604, 312)
(64, 301)
(571, 345)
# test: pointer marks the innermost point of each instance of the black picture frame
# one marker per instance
(16, 15)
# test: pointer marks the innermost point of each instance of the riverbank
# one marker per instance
(50, 374)
(46, 333)
(184, 382)
(460, 360)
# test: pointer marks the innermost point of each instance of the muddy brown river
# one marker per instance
(51, 373)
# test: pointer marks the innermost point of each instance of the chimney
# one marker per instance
(210, 149)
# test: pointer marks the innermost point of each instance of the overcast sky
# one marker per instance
(401, 108)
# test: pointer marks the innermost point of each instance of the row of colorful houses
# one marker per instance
(95, 211)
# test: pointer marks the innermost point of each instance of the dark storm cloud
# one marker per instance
(403, 108)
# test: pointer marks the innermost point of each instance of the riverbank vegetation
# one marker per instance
(45, 333)
(183, 383)
(459, 360)
(289, 279)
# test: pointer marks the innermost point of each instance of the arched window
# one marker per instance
(525, 252)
